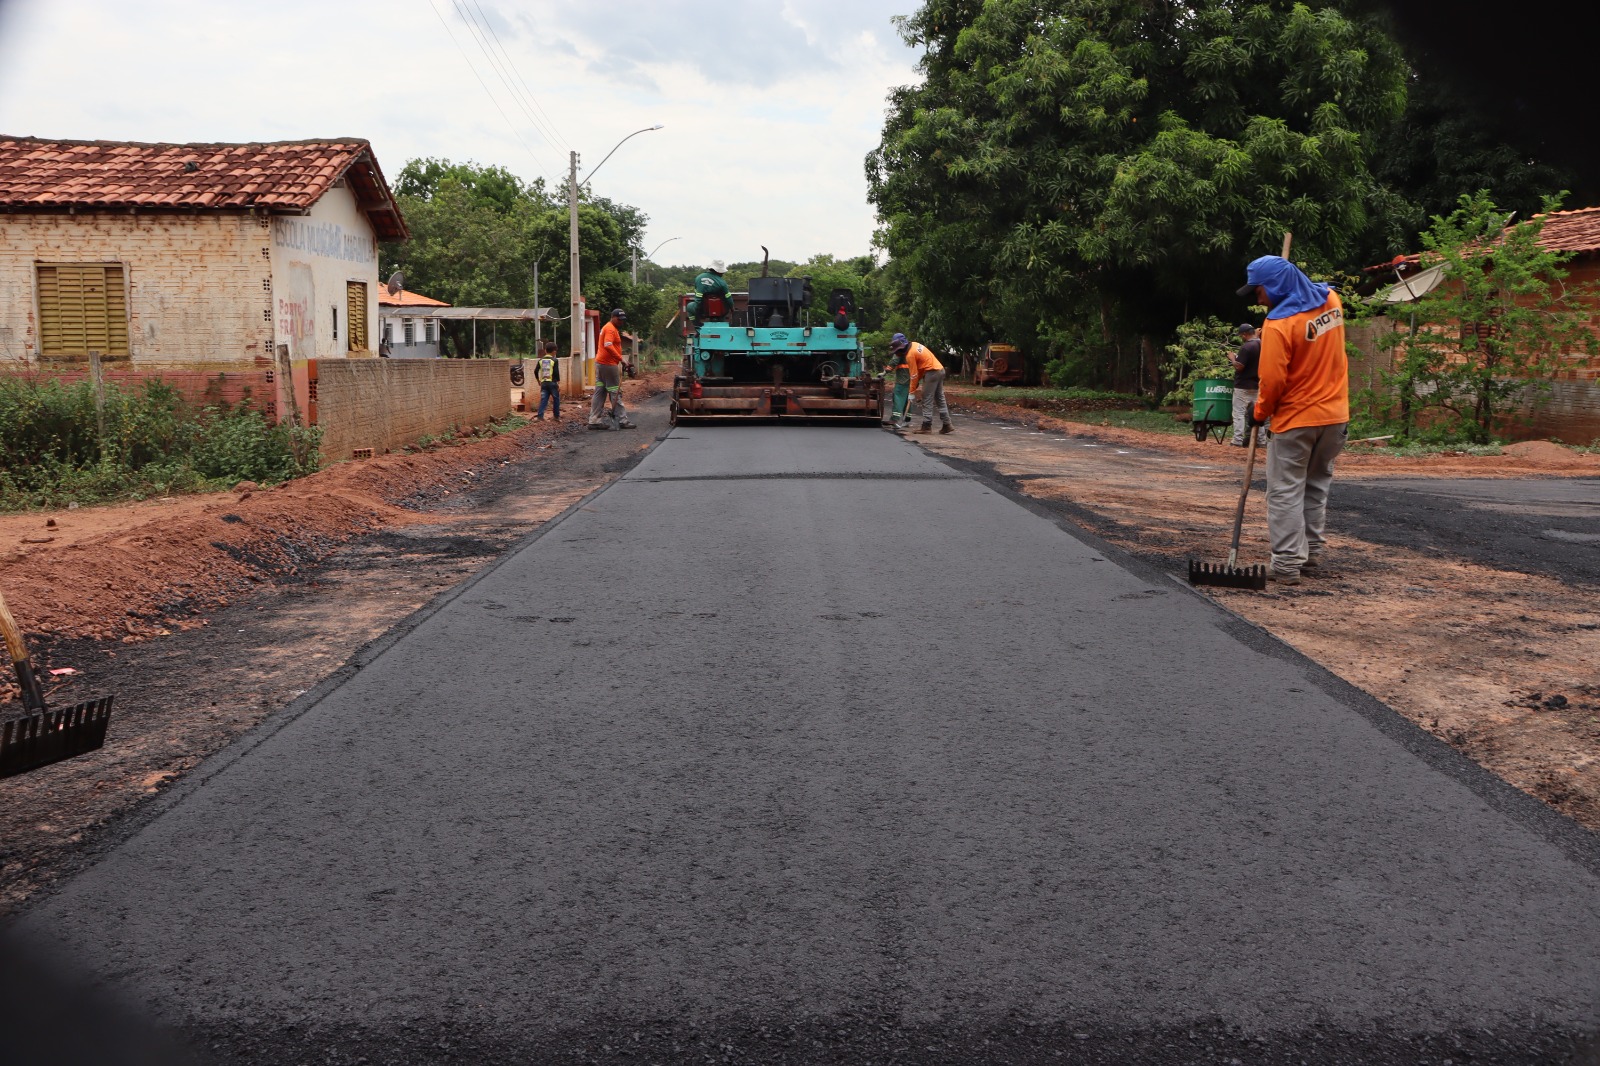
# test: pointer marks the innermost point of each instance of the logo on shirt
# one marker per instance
(1324, 322)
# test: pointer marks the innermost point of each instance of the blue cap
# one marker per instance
(899, 341)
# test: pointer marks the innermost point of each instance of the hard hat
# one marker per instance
(717, 266)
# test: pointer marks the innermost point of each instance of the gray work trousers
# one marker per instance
(933, 398)
(1299, 474)
(607, 382)
(1243, 400)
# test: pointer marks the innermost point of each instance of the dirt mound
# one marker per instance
(1542, 451)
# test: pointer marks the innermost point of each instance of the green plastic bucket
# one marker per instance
(1213, 400)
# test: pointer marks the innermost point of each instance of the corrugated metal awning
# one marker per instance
(478, 314)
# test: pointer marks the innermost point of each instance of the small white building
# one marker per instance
(201, 257)
(406, 331)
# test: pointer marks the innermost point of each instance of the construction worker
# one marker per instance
(547, 372)
(1246, 383)
(712, 298)
(928, 372)
(608, 365)
(900, 411)
(1305, 392)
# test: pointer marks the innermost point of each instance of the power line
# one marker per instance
(482, 41)
(492, 99)
(549, 122)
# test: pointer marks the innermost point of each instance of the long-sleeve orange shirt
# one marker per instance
(1305, 376)
(610, 345)
(921, 360)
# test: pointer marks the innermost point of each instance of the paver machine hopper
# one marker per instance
(762, 356)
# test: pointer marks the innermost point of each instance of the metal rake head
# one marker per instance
(1230, 577)
(51, 736)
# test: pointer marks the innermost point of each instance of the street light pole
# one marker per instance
(574, 375)
(578, 323)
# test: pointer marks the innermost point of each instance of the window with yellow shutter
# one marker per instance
(83, 308)
(356, 315)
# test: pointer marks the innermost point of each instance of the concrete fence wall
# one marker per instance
(385, 404)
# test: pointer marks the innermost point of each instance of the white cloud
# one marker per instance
(769, 107)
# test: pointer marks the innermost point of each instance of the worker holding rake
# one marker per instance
(1305, 392)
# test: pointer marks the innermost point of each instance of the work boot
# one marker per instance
(628, 425)
(926, 427)
(1283, 577)
(595, 423)
(947, 428)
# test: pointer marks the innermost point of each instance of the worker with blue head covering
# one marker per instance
(1305, 394)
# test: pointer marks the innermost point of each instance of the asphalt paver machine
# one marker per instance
(763, 356)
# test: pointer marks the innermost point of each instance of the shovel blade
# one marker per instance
(1228, 577)
(50, 736)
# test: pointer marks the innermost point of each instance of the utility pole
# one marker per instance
(575, 377)
(635, 253)
(537, 347)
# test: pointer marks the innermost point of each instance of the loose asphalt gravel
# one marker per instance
(743, 760)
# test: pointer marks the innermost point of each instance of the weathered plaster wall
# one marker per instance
(198, 285)
(313, 256)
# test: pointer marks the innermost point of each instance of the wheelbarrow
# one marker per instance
(1212, 412)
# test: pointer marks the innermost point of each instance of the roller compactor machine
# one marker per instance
(761, 356)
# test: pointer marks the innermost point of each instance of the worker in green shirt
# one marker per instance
(712, 298)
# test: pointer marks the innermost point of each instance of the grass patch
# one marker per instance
(1414, 449)
(1147, 421)
(1013, 393)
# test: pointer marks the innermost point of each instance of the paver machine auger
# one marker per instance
(762, 356)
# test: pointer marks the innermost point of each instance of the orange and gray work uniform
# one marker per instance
(608, 377)
(928, 372)
(1305, 393)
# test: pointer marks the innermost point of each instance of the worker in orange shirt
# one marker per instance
(608, 364)
(928, 372)
(1305, 393)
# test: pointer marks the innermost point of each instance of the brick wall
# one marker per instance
(201, 387)
(385, 404)
(199, 286)
(1569, 412)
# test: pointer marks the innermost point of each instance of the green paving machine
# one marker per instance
(762, 356)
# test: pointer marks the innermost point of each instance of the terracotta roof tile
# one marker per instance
(290, 175)
(405, 298)
(1572, 231)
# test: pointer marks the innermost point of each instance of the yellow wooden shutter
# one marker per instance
(356, 312)
(83, 308)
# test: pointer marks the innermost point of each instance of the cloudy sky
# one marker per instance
(768, 105)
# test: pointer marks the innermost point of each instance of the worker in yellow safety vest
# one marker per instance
(547, 372)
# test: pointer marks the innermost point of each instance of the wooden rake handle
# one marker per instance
(32, 694)
(1244, 493)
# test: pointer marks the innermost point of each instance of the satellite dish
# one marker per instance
(1416, 286)
(397, 282)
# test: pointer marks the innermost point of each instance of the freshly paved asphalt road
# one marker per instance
(746, 760)
(1545, 526)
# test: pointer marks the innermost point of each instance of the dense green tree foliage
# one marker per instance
(1081, 176)
(1114, 162)
(477, 231)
